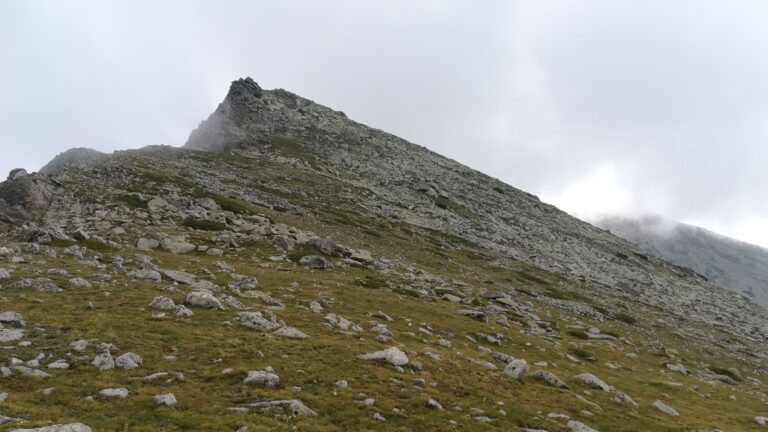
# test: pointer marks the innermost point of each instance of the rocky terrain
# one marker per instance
(291, 269)
(732, 264)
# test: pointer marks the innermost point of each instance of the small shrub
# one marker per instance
(582, 354)
(580, 334)
(374, 282)
(626, 318)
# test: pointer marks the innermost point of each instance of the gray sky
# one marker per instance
(596, 106)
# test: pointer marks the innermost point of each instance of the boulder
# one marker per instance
(177, 245)
(550, 379)
(516, 369)
(391, 355)
(293, 406)
(315, 262)
(263, 378)
(203, 299)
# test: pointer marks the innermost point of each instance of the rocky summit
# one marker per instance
(291, 269)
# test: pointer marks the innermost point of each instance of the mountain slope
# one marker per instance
(253, 270)
(735, 265)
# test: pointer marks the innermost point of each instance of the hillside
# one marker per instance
(291, 269)
(732, 264)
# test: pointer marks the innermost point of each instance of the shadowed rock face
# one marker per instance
(23, 198)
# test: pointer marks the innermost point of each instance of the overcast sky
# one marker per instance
(600, 107)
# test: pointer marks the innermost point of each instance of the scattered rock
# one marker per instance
(104, 361)
(293, 406)
(203, 299)
(12, 319)
(128, 360)
(120, 392)
(550, 379)
(392, 355)
(315, 262)
(516, 369)
(661, 406)
(166, 399)
(263, 378)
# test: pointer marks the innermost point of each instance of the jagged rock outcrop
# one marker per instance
(24, 198)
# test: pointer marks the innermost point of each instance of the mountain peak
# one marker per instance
(244, 89)
(250, 114)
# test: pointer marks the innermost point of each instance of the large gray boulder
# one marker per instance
(391, 355)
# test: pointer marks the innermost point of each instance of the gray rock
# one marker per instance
(550, 379)
(576, 426)
(661, 406)
(104, 361)
(31, 372)
(128, 360)
(177, 276)
(263, 378)
(177, 245)
(203, 299)
(166, 399)
(256, 321)
(162, 303)
(762, 421)
(12, 319)
(431, 403)
(293, 406)
(146, 275)
(4, 274)
(391, 355)
(120, 392)
(593, 381)
(290, 333)
(516, 369)
(316, 262)
(80, 283)
(146, 244)
(58, 364)
(10, 335)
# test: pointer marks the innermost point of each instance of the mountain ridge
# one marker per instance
(734, 264)
(291, 269)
